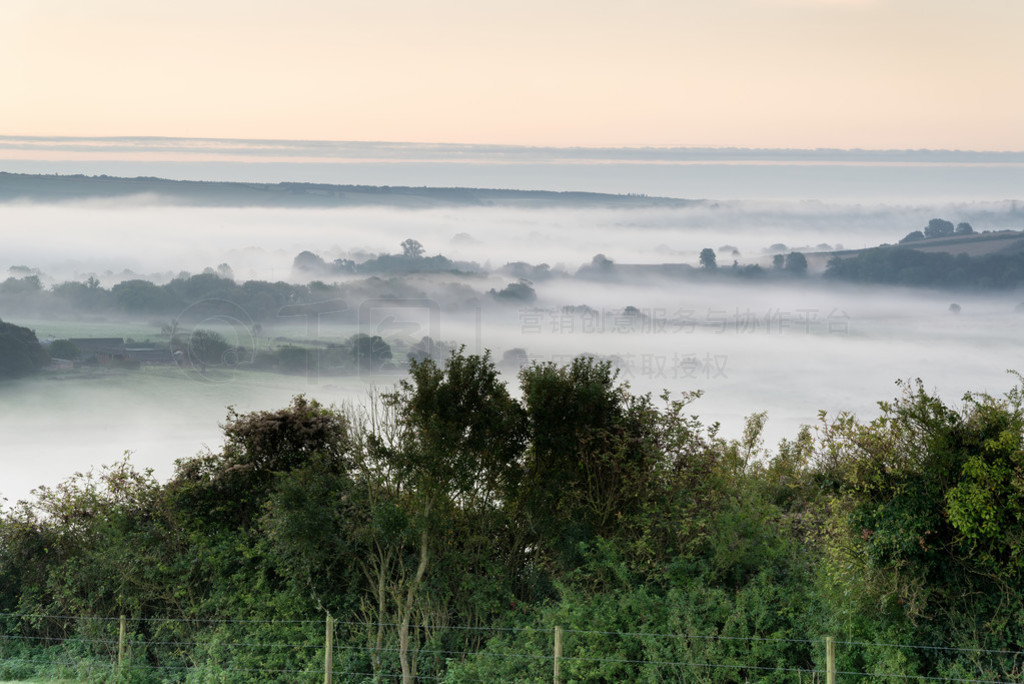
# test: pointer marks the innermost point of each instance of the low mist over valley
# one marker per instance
(455, 342)
(204, 302)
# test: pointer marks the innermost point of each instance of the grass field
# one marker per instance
(91, 327)
(281, 331)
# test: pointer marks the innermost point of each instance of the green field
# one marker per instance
(46, 329)
(141, 331)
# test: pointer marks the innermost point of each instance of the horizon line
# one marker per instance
(71, 139)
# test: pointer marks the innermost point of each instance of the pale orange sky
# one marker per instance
(755, 73)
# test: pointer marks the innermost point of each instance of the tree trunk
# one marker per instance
(381, 607)
(377, 571)
(408, 672)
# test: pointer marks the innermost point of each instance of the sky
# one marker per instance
(873, 74)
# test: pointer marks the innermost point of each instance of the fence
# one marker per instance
(114, 648)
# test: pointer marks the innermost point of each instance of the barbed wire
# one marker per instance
(491, 628)
(924, 677)
(61, 617)
(134, 642)
(481, 628)
(185, 619)
(688, 636)
(77, 640)
(250, 670)
(932, 648)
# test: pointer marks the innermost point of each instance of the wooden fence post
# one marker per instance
(830, 661)
(329, 651)
(558, 654)
(121, 634)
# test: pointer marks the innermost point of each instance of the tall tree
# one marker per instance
(20, 351)
(938, 228)
(707, 259)
(412, 248)
(586, 447)
(458, 451)
(796, 263)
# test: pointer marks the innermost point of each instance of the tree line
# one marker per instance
(892, 265)
(448, 503)
(260, 300)
(904, 264)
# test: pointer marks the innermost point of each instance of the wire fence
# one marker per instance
(164, 649)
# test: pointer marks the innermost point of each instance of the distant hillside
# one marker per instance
(53, 188)
(990, 260)
(974, 245)
(977, 244)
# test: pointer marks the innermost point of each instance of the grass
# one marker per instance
(280, 332)
(86, 327)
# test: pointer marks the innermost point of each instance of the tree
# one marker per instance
(582, 456)
(933, 515)
(461, 419)
(64, 349)
(230, 487)
(707, 259)
(796, 264)
(964, 228)
(938, 228)
(369, 353)
(458, 452)
(515, 293)
(100, 535)
(25, 286)
(309, 262)
(87, 296)
(207, 347)
(427, 348)
(412, 249)
(778, 261)
(603, 463)
(20, 351)
(142, 296)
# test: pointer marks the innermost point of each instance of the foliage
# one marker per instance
(796, 264)
(449, 526)
(928, 537)
(20, 351)
(207, 347)
(141, 296)
(64, 349)
(369, 353)
(905, 266)
(231, 487)
(938, 228)
(26, 286)
(515, 293)
(412, 248)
